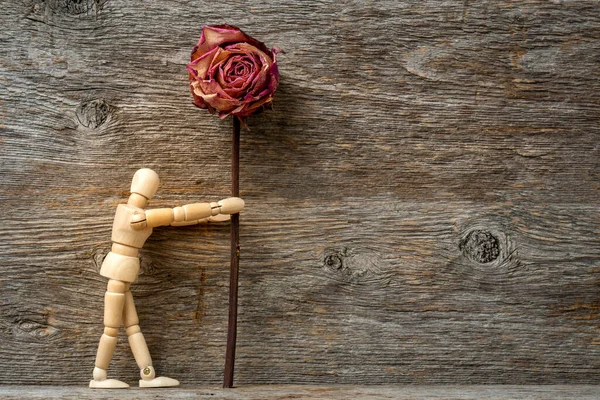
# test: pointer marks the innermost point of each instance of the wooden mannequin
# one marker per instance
(131, 227)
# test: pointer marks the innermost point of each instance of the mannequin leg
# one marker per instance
(114, 301)
(140, 348)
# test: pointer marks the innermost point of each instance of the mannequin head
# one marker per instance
(143, 187)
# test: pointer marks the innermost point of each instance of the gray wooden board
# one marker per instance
(280, 392)
(422, 203)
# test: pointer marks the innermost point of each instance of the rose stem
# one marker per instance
(235, 258)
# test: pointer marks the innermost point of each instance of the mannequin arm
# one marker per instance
(214, 218)
(186, 215)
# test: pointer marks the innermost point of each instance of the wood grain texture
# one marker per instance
(272, 392)
(422, 204)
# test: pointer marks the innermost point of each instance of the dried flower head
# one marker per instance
(232, 73)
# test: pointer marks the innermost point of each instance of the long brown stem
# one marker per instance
(235, 258)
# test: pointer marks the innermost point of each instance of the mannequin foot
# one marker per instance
(161, 381)
(100, 381)
(108, 384)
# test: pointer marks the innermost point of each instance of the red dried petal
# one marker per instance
(201, 65)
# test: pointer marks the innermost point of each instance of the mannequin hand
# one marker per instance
(231, 205)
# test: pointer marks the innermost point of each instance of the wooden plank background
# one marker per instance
(422, 204)
(312, 392)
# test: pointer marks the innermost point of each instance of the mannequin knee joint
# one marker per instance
(133, 329)
(113, 332)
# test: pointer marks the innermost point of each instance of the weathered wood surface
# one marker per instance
(268, 392)
(422, 204)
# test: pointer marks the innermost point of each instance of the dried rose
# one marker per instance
(232, 73)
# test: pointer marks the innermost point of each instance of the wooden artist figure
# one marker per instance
(132, 226)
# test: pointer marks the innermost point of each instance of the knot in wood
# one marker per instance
(355, 266)
(98, 255)
(77, 7)
(93, 113)
(334, 261)
(480, 246)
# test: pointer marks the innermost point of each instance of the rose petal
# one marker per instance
(260, 81)
(274, 78)
(216, 97)
(274, 68)
(240, 84)
(218, 61)
(200, 66)
(213, 36)
(253, 108)
(260, 103)
(239, 69)
(238, 91)
(248, 48)
(195, 86)
(261, 78)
